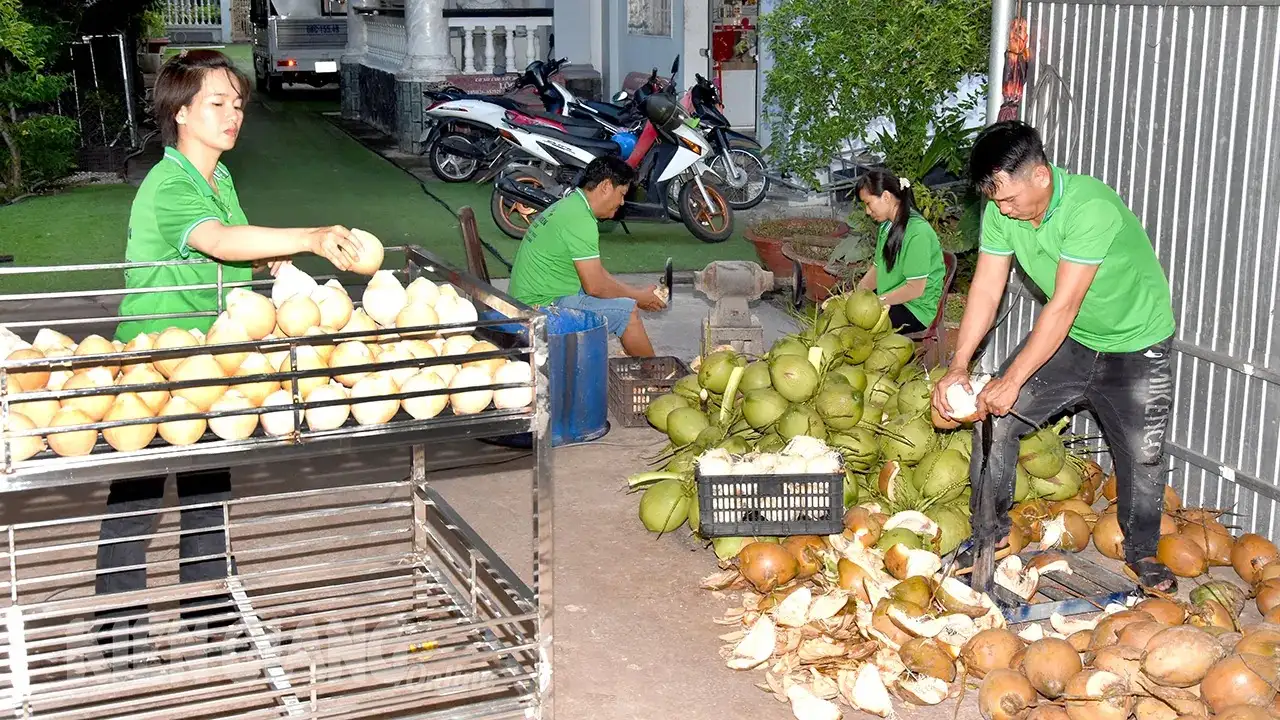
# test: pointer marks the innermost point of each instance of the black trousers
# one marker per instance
(1131, 394)
(903, 322)
(147, 494)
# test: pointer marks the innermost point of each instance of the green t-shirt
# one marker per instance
(1128, 306)
(564, 233)
(919, 257)
(173, 199)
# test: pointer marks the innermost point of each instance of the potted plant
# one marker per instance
(151, 56)
(768, 236)
(827, 264)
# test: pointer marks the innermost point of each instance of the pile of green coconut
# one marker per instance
(847, 381)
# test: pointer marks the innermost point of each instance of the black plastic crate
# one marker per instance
(635, 382)
(770, 505)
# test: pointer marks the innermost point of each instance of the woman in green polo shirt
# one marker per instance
(187, 208)
(908, 269)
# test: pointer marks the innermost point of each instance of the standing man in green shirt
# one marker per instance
(187, 208)
(1103, 339)
(558, 262)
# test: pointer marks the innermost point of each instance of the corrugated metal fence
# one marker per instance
(1176, 105)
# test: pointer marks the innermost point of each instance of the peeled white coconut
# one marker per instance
(716, 461)
(422, 290)
(374, 412)
(424, 407)
(47, 339)
(790, 465)
(384, 297)
(335, 307)
(445, 372)
(398, 353)
(255, 313)
(233, 427)
(805, 446)
(289, 282)
(279, 422)
(454, 310)
(329, 417)
(963, 405)
(473, 401)
(827, 463)
(514, 371)
(458, 345)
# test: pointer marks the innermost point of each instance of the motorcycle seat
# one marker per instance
(594, 145)
(612, 113)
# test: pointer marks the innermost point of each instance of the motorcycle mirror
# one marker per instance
(675, 66)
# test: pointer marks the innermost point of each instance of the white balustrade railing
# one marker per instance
(189, 13)
(388, 43)
(519, 36)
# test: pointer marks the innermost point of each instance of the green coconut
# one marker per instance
(862, 308)
(661, 407)
(960, 441)
(1065, 485)
(755, 376)
(839, 405)
(860, 447)
(900, 536)
(687, 387)
(858, 344)
(953, 524)
(879, 389)
(1021, 484)
(831, 318)
(1042, 452)
(915, 396)
(903, 347)
(684, 424)
(942, 475)
(856, 376)
(882, 360)
(831, 346)
(710, 436)
(835, 378)
(727, 548)
(789, 345)
(908, 373)
(716, 368)
(851, 484)
(762, 407)
(735, 445)
(771, 443)
(801, 420)
(664, 506)
(684, 460)
(695, 517)
(917, 430)
(793, 377)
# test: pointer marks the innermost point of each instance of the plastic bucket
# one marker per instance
(578, 364)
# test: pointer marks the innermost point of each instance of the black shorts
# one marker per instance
(903, 321)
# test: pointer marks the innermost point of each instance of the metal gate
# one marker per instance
(191, 22)
(1175, 104)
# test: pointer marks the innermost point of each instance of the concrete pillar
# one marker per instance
(1001, 15)
(349, 78)
(427, 33)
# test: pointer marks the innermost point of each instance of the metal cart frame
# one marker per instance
(477, 639)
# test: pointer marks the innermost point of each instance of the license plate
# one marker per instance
(327, 66)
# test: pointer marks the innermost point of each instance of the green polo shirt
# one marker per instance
(173, 199)
(1127, 307)
(919, 257)
(564, 233)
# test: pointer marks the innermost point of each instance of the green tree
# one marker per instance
(841, 64)
(41, 146)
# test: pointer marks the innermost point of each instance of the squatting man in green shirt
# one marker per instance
(1102, 340)
(187, 209)
(558, 262)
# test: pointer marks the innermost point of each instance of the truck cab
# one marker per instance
(297, 41)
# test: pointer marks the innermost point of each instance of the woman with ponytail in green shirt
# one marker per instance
(908, 270)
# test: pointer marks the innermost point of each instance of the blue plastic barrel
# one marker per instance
(578, 364)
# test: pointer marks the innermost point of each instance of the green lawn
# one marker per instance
(294, 168)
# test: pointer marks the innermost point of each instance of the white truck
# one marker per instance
(297, 41)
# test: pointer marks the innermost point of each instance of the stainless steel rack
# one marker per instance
(372, 600)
